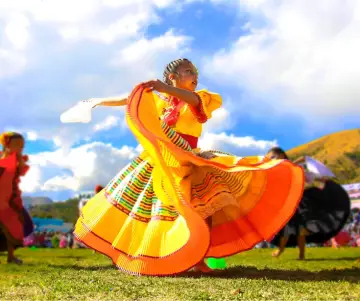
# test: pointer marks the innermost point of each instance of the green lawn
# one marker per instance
(328, 274)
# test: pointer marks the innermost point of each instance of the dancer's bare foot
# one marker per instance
(15, 260)
(202, 267)
(277, 253)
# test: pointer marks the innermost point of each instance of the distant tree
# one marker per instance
(66, 211)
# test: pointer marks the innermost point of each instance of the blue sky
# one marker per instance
(286, 70)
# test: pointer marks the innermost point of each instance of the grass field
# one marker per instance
(327, 274)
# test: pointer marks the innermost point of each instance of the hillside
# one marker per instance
(67, 211)
(29, 201)
(339, 151)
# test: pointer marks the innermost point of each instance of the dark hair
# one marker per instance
(7, 137)
(172, 68)
(98, 188)
(278, 151)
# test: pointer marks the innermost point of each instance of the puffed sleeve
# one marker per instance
(24, 168)
(209, 102)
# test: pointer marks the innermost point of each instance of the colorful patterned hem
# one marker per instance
(150, 219)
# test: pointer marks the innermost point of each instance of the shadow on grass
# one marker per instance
(70, 257)
(333, 259)
(81, 268)
(349, 275)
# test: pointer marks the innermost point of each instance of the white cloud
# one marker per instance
(12, 63)
(16, 31)
(80, 169)
(69, 33)
(108, 123)
(150, 55)
(31, 136)
(240, 146)
(95, 20)
(219, 121)
(53, 34)
(104, 22)
(83, 167)
(144, 49)
(302, 53)
(58, 183)
(31, 182)
(101, 78)
(57, 141)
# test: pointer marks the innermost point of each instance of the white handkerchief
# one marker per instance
(81, 112)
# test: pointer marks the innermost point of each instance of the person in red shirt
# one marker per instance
(15, 221)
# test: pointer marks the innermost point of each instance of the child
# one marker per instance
(63, 241)
(321, 214)
(15, 222)
(176, 205)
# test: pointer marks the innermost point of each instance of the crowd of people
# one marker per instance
(176, 205)
(50, 239)
(348, 236)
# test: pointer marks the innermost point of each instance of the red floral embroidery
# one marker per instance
(198, 111)
(172, 112)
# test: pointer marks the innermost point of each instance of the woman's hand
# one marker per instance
(207, 155)
(90, 100)
(185, 95)
(108, 102)
(156, 85)
(300, 160)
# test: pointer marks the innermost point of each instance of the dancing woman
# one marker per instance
(175, 204)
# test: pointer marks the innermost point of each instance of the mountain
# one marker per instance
(339, 151)
(66, 211)
(29, 201)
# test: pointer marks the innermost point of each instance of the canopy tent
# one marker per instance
(51, 225)
(353, 190)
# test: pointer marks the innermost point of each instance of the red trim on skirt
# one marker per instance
(193, 141)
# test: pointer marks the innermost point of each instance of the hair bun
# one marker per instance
(98, 188)
(3, 139)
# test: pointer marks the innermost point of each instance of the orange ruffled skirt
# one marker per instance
(150, 219)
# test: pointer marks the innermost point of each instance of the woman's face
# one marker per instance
(272, 155)
(186, 77)
(16, 145)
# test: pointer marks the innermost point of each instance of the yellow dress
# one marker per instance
(150, 219)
